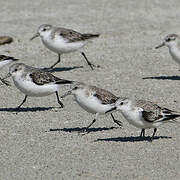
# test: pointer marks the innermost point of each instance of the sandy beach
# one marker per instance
(42, 141)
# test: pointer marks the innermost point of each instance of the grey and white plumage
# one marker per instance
(144, 114)
(34, 82)
(93, 99)
(62, 40)
(172, 41)
(5, 60)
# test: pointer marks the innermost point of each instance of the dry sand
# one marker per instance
(130, 29)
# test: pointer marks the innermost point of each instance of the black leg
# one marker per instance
(155, 129)
(62, 105)
(142, 133)
(89, 63)
(85, 131)
(59, 60)
(7, 83)
(22, 102)
(116, 121)
(94, 120)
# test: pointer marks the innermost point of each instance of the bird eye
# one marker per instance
(168, 39)
(44, 29)
(75, 88)
(15, 69)
(121, 103)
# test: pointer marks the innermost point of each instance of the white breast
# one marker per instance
(175, 53)
(31, 89)
(91, 104)
(135, 118)
(60, 46)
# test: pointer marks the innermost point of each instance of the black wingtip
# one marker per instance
(89, 36)
(14, 59)
(171, 117)
(96, 35)
(63, 81)
(3, 57)
(175, 116)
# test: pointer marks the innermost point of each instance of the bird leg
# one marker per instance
(89, 63)
(58, 61)
(94, 120)
(142, 133)
(155, 130)
(22, 102)
(62, 105)
(116, 121)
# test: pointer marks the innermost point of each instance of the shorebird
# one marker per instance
(172, 41)
(144, 114)
(62, 40)
(93, 100)
(34, 82)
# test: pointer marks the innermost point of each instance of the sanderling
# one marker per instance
(144, 114)
(94, 100)
(34, 82)
(172, 41)
(5, 60)
(61, 40)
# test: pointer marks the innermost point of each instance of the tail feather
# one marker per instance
(89, 36)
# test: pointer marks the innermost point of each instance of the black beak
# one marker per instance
(113, 109)
(161, 45)
(35, 36)
(66, 94)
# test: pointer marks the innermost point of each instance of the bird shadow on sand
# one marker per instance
(78, 129)
(132, 139)
(27, 109)
(176, 78)
(59, 69)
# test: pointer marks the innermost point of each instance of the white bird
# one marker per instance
(61, 40)
(172, 41)
(93, 100)
(34, 82)
(5, 60)
(144, 114)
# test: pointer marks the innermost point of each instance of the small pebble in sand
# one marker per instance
(5, 40)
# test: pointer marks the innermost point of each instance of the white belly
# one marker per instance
(136, 120)
(91, 105)
(175, 53)
(31, 89)
(60, 46)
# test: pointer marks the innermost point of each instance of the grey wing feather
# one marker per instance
(42, 77)
(73, 36)
(151, 112)
(104, 96)
(151, 116)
